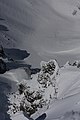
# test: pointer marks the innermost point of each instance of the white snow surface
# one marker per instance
(19, 116)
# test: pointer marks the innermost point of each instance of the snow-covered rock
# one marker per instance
(67, 64)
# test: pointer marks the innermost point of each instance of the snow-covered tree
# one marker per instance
(76, 63)
(48, 72)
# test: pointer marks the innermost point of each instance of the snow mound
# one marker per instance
(19, 74)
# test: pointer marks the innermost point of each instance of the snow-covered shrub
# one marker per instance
(28, 108)
(48, 72)
(21, 88)
(31, 102)
(44, 79)
(42, 88)
(37, 92)
(77, 64)
(50, 67)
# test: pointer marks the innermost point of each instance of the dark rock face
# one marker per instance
(2, 66)
(42, 117)
(16, 54)
(35, 70)
(2, 54)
